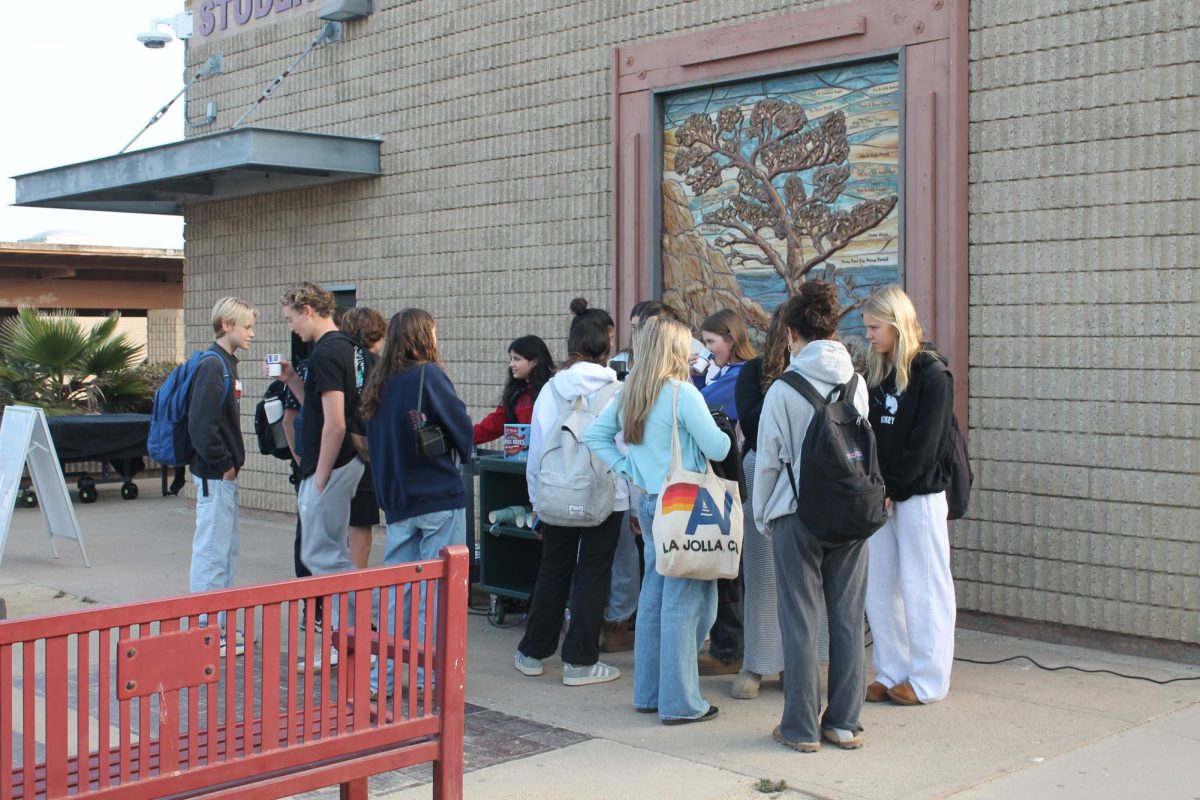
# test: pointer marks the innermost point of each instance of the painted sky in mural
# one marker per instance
(852, 234)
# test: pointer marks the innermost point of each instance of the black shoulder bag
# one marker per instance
(431, 437)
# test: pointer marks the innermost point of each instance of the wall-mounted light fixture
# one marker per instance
(344, 10)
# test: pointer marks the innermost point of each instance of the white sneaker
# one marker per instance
(593, 673)
(527, 666)
(239, 644)
(317, 664)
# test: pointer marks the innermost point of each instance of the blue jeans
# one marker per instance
(623, 594)
(215, 545)
(674, 615)
(417, 538)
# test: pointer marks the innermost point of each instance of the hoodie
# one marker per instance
(583, 379)
(214, 423)
(784, 423)
(647, 463)
(406, 483)
(913, 429)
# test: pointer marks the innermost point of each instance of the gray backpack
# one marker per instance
(574, 488)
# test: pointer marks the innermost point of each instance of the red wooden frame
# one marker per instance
(931, 34)
(203, 728)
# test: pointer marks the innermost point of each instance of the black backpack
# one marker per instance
(729, 468)
(956, 462)
(270, 436)
(840, 494)
(958, 465)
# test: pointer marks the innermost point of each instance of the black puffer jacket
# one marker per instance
(912, 430)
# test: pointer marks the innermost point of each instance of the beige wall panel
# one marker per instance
(494, 212)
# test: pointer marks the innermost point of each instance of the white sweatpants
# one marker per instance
(910, 598)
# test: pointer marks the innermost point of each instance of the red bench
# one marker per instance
(137, 701)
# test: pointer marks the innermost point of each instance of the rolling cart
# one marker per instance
(509, 556)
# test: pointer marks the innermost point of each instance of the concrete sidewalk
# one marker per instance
(1008, 730)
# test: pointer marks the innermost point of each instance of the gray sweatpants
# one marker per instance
(325, 519)
(805, 569)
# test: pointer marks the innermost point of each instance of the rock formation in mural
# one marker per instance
(775, 153)
(697, 279)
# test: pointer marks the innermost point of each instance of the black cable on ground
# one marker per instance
(1079, 669)
(1033, 661)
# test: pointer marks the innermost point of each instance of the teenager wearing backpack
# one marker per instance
(808, 565)
(674, 614)
(910, 592)
(580, 504)
(423, 499)
(329, 467)
(215, 428)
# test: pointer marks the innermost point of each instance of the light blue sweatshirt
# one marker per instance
(648, 461)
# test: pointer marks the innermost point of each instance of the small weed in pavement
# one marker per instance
(768, 786)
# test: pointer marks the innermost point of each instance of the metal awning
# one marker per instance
(237, 163)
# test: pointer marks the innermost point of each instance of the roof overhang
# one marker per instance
(220, 166)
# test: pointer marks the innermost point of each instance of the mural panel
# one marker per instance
(773, 181)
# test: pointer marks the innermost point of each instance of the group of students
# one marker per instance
(800, 590)
(367, 392)
(415, 424)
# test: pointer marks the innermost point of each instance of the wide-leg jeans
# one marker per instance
(674, 616)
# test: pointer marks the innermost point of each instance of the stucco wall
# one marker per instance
(494, 211)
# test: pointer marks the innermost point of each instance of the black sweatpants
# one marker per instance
(585, 554)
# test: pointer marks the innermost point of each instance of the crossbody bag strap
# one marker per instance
(421, 390)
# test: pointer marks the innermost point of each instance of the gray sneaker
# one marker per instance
(593, 673)
(526, 665)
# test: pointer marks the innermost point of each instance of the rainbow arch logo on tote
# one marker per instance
(704, 510)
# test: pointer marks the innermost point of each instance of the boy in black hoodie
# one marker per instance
(214, 425)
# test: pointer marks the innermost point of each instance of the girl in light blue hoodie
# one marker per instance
(674, 614)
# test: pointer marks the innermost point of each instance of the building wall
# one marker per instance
(1085, 365)
(494, 212)
(165, 336)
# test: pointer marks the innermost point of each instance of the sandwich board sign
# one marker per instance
(25, 441)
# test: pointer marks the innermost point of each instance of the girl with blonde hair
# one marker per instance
(674, 614)
(910, 592)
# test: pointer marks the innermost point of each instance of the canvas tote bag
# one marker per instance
(697, 519)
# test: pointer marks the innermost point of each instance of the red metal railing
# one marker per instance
(137, 700)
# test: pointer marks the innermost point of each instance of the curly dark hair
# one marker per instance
(814, 313)
(316, 297)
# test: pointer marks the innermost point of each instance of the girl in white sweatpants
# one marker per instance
(910, 591)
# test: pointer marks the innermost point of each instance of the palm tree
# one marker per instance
(51, 360)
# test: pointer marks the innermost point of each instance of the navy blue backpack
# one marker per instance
(169, 442)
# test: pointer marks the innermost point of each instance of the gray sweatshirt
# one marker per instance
(784, 421)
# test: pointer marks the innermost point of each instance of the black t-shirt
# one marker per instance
(331, 368)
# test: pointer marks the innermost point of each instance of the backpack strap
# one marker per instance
(224, 373)
(601, 398)
(848, 390)
(801, 385)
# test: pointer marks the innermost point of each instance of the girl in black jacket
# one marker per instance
(910, 592)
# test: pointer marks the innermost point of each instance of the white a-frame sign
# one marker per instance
(25, 439)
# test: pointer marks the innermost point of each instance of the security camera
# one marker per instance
(155, 40)
(161, 29)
